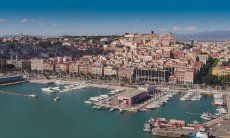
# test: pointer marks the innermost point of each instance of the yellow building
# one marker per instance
(221, 71)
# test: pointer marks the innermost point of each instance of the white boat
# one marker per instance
(195, 99)
(49, 90)
(121, 110)
(206, 116)
(94, 99)
(104, 96)
(111, 109)
(201, 134)
(88, 102)
(151, 106)
(57, 98)
(222, 110)
(147, 127)
(218, 102)
(195, 122)
(55, 89)
(94, 107)
(58, 82)
(33, 96)
(183, 99)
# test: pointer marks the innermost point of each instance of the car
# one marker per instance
(219, 124)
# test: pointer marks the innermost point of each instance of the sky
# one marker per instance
(107, 17)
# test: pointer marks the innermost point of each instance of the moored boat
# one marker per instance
(206, 116)
(57, 98)
(88, 102)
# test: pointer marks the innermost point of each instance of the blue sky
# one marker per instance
(95, 17)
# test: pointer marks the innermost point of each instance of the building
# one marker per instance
(221, 71)
(84, 69)
(150, 89)
(20, 64)
(37, 64)
(109, 71)
(96, 70)
(151, 75)
(48, 66)
(132, 97)
(62, 67)
(166, 54)
(176, 54)
(126, 73)
(73, 68)
(2, 62)
(189, 76)
(185, 76)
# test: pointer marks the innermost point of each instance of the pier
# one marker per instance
(219, 127)
(19, 94)
(112, 102)
(13, 83)
(172, 132)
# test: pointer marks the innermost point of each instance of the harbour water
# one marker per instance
(70, 117)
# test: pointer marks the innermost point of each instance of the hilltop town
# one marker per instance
(129, 58)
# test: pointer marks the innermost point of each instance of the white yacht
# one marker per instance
(94, 107)
(88, 102)
(57, 98)
(206, 116)
(201, 134)
(222, 110)
(55, 89)
(47, 89)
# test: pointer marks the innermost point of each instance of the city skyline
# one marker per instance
(115, 17)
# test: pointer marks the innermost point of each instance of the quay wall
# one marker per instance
(9, 79)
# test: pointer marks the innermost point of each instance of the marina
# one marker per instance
(74, 108)
(132, 100)
(64, 87)
(191, 96)
(215, 125)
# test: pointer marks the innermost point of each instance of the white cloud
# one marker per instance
(184, 29)
(3, 20)
(190, 28)
(26, 20)
(176, 29)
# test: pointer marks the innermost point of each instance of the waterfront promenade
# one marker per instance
(109, 85)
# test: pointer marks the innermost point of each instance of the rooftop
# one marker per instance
(132, 93)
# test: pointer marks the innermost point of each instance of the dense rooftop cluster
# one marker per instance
(135, 57)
